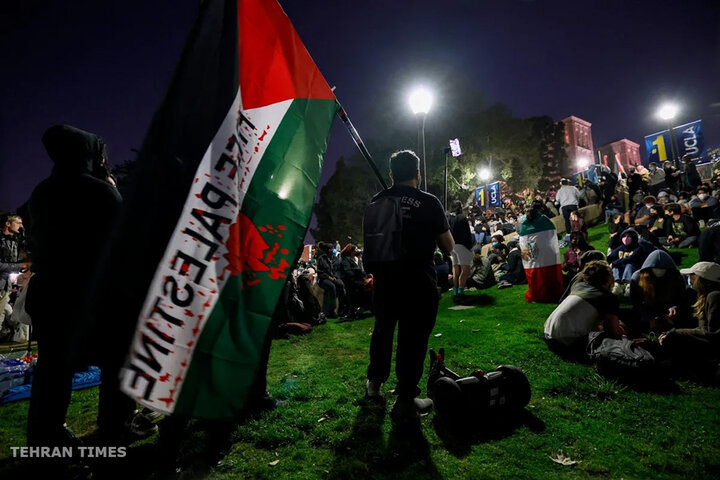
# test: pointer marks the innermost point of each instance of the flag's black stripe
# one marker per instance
(201, 91)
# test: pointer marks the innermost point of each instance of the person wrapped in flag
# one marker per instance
(541, 256)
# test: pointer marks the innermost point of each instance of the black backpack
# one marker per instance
(621, 358)
(382, 232)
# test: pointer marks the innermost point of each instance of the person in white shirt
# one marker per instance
(568, 197)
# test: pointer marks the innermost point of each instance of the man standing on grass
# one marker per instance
(568, 197)
(405, 290)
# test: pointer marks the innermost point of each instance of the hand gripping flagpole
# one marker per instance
(361, 146)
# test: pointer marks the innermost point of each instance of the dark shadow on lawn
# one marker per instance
(460, 435)
(363, 453)
(480, 300)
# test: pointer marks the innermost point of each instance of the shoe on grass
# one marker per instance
(618, 289)
(373, 389)
(139, 426)
(408, 409)
(504, 284)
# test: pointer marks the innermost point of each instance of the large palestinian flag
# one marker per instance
(541, 259)
(223, 196)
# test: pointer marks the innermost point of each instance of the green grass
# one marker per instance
(326, 429)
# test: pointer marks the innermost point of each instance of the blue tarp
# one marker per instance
(86, 379)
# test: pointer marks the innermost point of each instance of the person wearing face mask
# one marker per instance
(682, 230)
(656, 178)
(628, 258)
(698, 349)
(571, 257)
(703, 204)
(659, 296)
(642, 217)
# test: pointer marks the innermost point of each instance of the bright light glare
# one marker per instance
(420, 101)
(583, 163)
(668, 111)
(484, 174)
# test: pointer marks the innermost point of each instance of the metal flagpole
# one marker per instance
(361, 146)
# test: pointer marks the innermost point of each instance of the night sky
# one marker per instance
(103, 66)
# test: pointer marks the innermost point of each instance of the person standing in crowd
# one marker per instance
(462, 257)
(568, 197)
(689, 175)
(70, 190)
(656, 179)
(10, 256)
(405, 291)
(541, 256)
(670, 176)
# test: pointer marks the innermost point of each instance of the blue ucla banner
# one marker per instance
(658, 147)
(481, 197)
(689, 140)
(494, 194)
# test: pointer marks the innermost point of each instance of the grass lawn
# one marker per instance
(327, 430)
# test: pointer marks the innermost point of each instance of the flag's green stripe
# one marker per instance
(228, 353)
(540, 225)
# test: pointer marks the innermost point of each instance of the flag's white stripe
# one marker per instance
(173, 366)
(540, 249)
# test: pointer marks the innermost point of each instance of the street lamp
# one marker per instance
(420, 102)
(484, 174)
(667, 112)
(583, 163)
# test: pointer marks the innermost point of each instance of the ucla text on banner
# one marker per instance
(494, 194)
(689, 140)
(481, 197)
(658, 147)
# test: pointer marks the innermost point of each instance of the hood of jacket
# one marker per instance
(659, 259)
(71, 149)
(633, 234)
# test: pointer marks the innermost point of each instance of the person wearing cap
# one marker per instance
(656, 178)
(568, 197)
(700, 346)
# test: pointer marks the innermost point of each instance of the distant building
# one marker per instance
(624, 152)
(578, 145)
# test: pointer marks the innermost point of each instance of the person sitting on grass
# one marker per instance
(585, 258)
(577, 224)
(659, 296)
(481, 272)
(589, 307)
(498, 251)
(682, 230)
(658, 225)
(698, 349)
(628, 258)
(571, 258)
(515, 272)
(616, 227)
(703, 204)
(357, 283)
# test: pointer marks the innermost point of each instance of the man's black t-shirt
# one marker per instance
(423, 220)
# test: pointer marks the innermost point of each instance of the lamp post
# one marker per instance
(667, 112)
(420, 102)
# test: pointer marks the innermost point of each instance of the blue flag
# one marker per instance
(481, 197)
(658, 147)
(494, 194)
(689, 140)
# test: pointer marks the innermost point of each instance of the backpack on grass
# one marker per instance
(622, 358)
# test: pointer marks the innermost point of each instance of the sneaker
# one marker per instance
(617, 289)
(404, 409)
(627, 290)
(504, 284)
(139, 427)
(373, 389)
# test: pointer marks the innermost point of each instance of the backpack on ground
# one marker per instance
(622, 358)
(382, 232)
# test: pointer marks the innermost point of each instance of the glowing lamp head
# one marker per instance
(583, 163)
(420, 101)
(668, 111)
(484, 174)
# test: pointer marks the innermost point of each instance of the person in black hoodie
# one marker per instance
(462, 257)
(682, 230)
(64, 248)
(515, 271)
(330, 282)
(628, 257)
